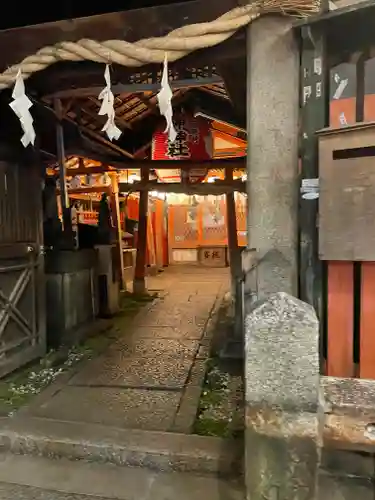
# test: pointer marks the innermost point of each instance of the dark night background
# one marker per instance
(44, 12)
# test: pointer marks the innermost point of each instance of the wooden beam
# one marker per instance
(232, 163)
(108, 143)
(130, 25)
(121, 88)
(203, 189)
(186, 164)
(88, 189)
(154, 164)
(100, 169)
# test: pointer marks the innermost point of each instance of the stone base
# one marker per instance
(139, 286)
(152, 271)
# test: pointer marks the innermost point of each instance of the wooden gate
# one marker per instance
(22, 307)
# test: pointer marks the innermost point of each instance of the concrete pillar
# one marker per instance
(272, 170)
(283, 417)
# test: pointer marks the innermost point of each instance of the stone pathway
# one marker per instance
(150, 377)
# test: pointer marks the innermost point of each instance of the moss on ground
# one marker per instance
(18, 388)
(220, 411)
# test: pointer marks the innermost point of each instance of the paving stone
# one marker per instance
(152, 348)
(124, 408)
(116, 370)
(190, 332)
(173, 317)
(139, 381)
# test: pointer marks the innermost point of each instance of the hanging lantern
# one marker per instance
(193, 142)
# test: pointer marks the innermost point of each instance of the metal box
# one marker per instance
(347, 193)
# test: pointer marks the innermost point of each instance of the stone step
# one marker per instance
(39, 478)
(160, 451)
(344, 487)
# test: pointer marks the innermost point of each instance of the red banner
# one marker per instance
(193, 142)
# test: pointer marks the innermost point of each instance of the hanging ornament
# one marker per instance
(107, 108)
(21, 106)
(75, 183)
(165, 102)
(89, 180)
(105, 179)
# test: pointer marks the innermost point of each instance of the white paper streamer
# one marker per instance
(165, 102)
(21, 105)
(107, 108)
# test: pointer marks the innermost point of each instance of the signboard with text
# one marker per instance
(193, 142)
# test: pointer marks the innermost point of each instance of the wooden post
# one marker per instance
(65, 208)
(139, 284)
(115, 208)
(232, 233)
(158, 232)
(170, 235)
(200, 227)
(151, 245)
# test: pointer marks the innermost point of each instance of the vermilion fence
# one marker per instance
(183, 226)
(204, 224)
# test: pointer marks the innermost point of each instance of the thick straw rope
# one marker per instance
(177, 44)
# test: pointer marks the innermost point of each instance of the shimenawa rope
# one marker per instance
(177, 43)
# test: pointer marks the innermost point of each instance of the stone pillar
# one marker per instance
(283, 427)
(272, 170)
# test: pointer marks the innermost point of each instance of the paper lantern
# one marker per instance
(193, 142)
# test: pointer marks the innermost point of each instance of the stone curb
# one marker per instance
(187, 412)
(159, 451)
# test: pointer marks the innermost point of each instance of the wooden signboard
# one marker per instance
(347, 193)
(213, 256)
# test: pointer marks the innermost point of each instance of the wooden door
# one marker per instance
(22, 292)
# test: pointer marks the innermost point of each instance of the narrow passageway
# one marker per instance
(140, 381)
